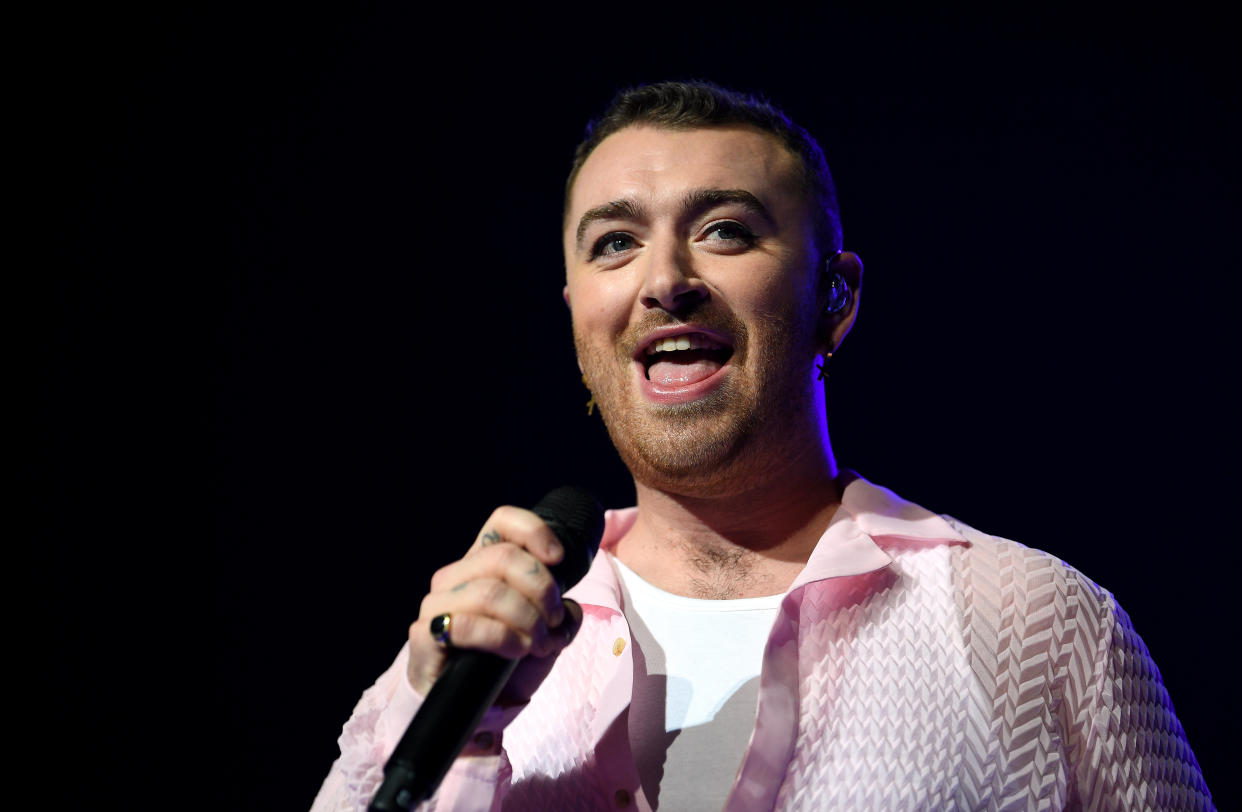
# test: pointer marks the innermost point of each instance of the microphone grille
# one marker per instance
(577, 519)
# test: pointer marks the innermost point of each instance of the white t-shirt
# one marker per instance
(696, 684)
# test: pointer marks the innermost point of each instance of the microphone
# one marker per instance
(471, 680)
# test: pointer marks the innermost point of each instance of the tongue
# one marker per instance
(675, 373)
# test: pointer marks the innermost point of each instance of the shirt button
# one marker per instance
(623, 798)
(618, 646)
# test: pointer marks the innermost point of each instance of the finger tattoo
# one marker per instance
(490, 537)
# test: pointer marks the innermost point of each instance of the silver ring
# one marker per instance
(440, 625)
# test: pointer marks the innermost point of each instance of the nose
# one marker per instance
(671, 283)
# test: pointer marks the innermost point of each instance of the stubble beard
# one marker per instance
(700, 448)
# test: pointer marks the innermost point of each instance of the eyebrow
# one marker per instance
(695, 202)
(613, 210)
(700, 200)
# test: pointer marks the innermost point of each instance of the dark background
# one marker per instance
(298, 329)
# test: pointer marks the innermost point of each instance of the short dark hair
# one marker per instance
(696, 104)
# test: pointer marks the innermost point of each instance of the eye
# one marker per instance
(730, 233)
(613, 243)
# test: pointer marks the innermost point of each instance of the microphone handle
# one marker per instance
(455, 705)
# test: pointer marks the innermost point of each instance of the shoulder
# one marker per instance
(1013, 563)
(1019, 598)
(1044, 641)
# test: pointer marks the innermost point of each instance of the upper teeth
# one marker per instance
(682, 342)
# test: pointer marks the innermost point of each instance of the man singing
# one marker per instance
(764, 630)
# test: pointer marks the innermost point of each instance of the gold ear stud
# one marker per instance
(591, 402)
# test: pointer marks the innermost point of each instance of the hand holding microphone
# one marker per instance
(500, 622)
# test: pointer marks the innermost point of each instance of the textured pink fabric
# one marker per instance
(916, 664)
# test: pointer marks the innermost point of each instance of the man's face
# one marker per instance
(692, 276)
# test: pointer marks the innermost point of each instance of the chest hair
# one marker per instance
(717, 574)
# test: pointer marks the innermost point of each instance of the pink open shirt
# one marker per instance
(915, 663)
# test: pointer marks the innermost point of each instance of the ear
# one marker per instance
(837, 325)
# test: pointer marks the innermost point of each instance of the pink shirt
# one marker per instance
(915, 663)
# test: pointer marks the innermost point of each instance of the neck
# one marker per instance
(747, 542)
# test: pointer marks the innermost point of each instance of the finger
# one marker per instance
(511, 565)
(480, 633)
(561, 636)
(487, 597)
(428, 655)
(514, 525)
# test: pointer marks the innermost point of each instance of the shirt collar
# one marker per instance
(600, 587)
(870, 522)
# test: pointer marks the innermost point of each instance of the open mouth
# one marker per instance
(683, 360)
